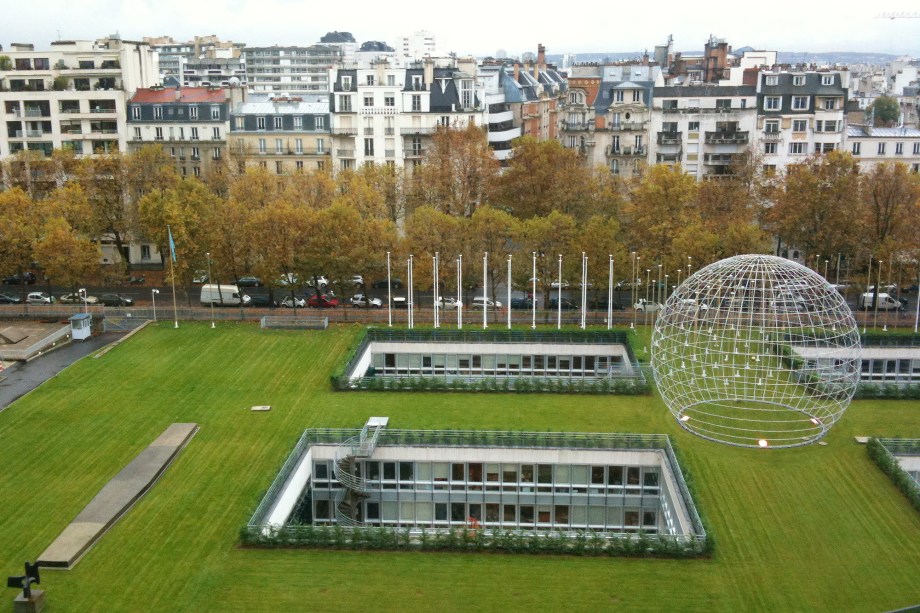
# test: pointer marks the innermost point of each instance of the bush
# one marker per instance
(889, 465)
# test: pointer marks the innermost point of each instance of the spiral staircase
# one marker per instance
(345, 468)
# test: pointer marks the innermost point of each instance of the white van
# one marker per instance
(223, 295)
(885, 302)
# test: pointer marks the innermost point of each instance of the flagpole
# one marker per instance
(172, 274)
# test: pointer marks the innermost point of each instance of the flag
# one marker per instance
(172, 244)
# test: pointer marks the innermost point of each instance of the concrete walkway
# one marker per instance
(22, 377)
(116, 497)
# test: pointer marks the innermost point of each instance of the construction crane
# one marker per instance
(898, 15)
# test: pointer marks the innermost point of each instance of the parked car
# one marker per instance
(323, 302)
(293, 302)
(400, 302)
(39, 298)
(601, 305)
(262, 301)
(567, 305)
(249, 281)
(647, 306)
(28, 278)
(8, 299)
(200, 276)
(555, 284)
(481, 302)
(521, 303)
(76, 298)
(382, 284)
(115, 300)
(357, 280)
(449, 303)
(362, 301)
(321, 281)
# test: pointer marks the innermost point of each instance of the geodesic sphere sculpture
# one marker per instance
(756, 351)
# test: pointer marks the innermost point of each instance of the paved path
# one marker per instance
(116, 497)
(22, 377)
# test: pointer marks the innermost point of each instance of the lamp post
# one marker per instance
(648, 282)
(153, 298)
(389, 294)
(826, 262)
(508, 306)
(878, 287)
(634, 293)
(689, 264)
(82, 293)
(868, 291)
(208, 255)
(485, 293)
(409, 292)
(610, 294)
(437, 317)
(533, 294)
(584, 287)
(559, 297)
(459, 291)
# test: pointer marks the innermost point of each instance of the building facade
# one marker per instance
(71, 96)
(292, 69)
(190, 123)
(282, 133)
(871, 146)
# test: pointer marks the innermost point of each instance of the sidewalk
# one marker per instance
(22, 377)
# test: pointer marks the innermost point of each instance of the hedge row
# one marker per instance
(520, 385)
(473, 540)
(891, 391)
(898, 475)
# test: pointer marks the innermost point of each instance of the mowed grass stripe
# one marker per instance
(813, 528)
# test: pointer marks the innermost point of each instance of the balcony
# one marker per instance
(37, 113)
(726, 138)
(344, 131)
(389, 153)
(575, 126)
(345, 153)
(772, 136)
(419, 130)
(368, 131)
(628, 126)
(389, 131)
(414, 153)
(670, 138)
(718, 159)
(666, 158)
(101, 109)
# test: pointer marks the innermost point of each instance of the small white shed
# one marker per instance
(81, 326)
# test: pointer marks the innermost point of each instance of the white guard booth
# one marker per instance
(81, 326)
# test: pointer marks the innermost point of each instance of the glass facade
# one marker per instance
(392, 363)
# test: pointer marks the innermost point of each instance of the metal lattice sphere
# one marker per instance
(756, 351)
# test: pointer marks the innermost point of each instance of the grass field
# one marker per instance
(814, 528)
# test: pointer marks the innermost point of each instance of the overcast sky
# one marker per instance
(480, 28)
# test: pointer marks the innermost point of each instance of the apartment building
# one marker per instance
(701, 127)
(293, 69)
(871, 146)
(801, 111)
(71, 96)
(387, 115)
(190, 123)
(205, 61)
(283, 133)
(415, 47)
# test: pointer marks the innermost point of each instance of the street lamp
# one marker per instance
(208, 255)
(559, 297)
(153, 297)
(82, 293)
(533, 294)
(508, 306)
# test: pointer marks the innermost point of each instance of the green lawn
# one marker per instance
(815, 528)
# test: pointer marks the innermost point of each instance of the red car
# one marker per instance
(323, 302)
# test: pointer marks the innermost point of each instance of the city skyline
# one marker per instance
(786, 26)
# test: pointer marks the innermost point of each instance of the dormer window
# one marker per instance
(771, 80)
(416, 82)
(798, 79)
(346, 83)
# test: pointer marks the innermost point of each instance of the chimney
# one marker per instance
(517, 72)
(178, 94)
(429, 71)
(541, 57)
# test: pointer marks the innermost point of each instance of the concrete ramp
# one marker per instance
(116, 497)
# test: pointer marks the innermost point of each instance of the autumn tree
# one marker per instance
(890, 195)
(103, 179)
(315, 190)
(458, 171)
(19, 229)
(65, 256)
(491, 231)
(816, 208)
(660, 205)
(549, 237)
(279, 229)
(429, 231)
(544, 176)
(599, 238)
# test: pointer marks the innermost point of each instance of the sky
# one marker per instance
(481, 29)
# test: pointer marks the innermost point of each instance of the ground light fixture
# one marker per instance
(756, 351)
